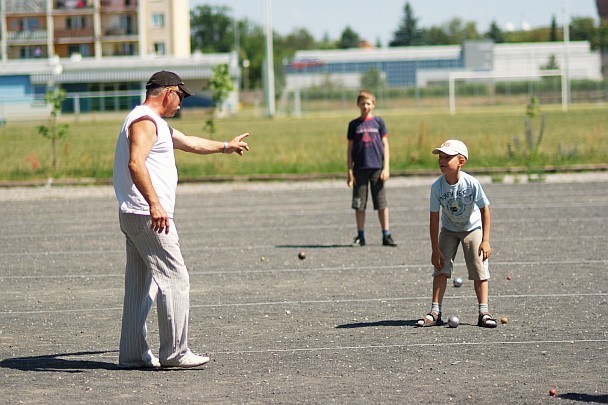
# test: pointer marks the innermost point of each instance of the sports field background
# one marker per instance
(315, 145)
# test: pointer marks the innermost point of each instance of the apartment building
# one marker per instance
(94, 28)
(100, 51)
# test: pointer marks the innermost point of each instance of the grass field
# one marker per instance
(316, 144)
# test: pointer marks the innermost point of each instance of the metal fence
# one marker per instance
(474, 93)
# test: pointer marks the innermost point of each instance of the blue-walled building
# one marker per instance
(102, 85)
(421, 65)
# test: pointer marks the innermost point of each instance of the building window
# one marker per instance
(81, 49)
(75, 22)
(159, 48)
(24, 24)
(158, 20)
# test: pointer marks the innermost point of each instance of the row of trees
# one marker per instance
(215, 30)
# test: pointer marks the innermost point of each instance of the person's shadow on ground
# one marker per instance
(597, 399)
(55, 363)
(396, 322)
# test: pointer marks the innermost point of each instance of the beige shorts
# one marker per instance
(448, 244)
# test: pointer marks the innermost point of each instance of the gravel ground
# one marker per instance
(337, 326)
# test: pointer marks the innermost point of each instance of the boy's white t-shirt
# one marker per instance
(160, 163)
(459, 203)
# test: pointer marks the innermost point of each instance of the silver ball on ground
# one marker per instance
(457, 282)
(301, 255)
(453, 321)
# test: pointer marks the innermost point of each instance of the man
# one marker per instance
(145, 181)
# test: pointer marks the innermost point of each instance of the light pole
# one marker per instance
(566, 67)
(269, 65)
(246, 64)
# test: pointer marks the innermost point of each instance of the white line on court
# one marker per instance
(368, 347)
(322, 269)
(314, 302)
(399, 346)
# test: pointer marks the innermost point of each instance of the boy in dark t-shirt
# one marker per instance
(367, 159)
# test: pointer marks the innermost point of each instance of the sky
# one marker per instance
(378, 20)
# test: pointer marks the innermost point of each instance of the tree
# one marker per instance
(435, 36)
(327, 42)
(221, 86)
(534, 35)
(372, 79)
(551, 63)
(54, 131)
(408, 33)
(583, 29)
(602, 36)
(495, 33)
(298, 39)
(212, 29)
(252, 48)
(553, 35)
(349, 39)
(459, 31)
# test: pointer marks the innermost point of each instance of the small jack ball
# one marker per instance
(457, 282)
(552, 392)
(301, 255)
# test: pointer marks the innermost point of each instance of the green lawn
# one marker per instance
(317, 144)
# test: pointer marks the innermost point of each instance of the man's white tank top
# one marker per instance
(160, 164)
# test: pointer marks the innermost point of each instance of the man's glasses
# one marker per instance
(180, 94)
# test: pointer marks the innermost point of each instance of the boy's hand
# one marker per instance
(485, 250)
(437, 259)
(350, 179)
(385, 174)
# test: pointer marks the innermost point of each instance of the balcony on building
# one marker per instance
(26, 30)
(109, 6)
(25, 7)
(26, 37)
(119, 34)
(73, 5)
(74, 35)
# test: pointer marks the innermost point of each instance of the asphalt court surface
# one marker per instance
(337, 326)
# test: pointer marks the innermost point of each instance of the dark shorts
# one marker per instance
(363, 180)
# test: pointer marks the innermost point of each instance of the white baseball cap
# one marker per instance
(453, 147)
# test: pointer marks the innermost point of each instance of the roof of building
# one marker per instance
(116, 69)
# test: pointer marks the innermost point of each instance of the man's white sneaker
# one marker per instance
(148, 361)
(188, 360)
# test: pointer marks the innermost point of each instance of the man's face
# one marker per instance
(174, 101)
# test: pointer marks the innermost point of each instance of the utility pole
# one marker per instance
(566, 64)
(269, 65)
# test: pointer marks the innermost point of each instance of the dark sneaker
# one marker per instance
(359, 241)
(388, 241)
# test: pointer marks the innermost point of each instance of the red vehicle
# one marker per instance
(305, 63)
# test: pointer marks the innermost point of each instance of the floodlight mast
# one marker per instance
(566, 67)
(269, 62)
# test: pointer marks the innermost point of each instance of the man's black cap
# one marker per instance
(166, 79)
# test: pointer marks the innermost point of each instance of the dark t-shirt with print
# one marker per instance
(368, 149)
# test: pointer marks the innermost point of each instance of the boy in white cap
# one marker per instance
(465, 219)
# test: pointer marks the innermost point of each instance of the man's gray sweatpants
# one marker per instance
(155, 269)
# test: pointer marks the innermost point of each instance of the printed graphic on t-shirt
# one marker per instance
(459, 203)
(456, 203)
(369, 134)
